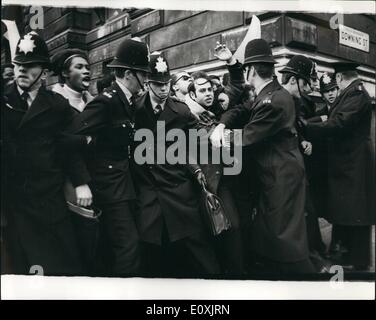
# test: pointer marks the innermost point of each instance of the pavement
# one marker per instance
(326, 232)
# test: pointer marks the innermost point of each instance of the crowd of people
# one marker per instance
(75, 201)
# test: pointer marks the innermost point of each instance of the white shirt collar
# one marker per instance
(154, 104)
(125, 90)
(32, 94)
(258, 89)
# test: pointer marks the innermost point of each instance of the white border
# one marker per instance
(225, 5)
(34, 287)
(62, 288)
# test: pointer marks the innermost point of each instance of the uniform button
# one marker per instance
(150, 167)
(110, 167)
(123, 125)
(217, 172)
(85, 123)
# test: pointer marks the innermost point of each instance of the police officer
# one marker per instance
(173, 237)
(40, 227)
(73, 69)
(328, 89)
(109, 120)
(296, 80)
(351, 203)
(278, 234)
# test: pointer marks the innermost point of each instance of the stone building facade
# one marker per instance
(189, 37)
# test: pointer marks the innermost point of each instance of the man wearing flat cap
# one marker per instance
(351, 197)
(278, 235)
(73, 69)
(34, 119)
(108, 119)
(173, 236)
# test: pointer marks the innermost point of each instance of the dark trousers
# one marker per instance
(357, 241)
(189, 257)
(119, 244)
(315, 241)
(241, 192)
(229, 244)
(267, 266)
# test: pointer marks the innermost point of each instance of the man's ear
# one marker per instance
(44, 74)
(293, 80)
(192, 95)
(127, 74)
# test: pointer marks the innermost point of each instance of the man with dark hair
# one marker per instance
(34, 119)
(351, 196)
(279, 234)
(7, 73)
(73, 69)
(173, 236)
(109, 119)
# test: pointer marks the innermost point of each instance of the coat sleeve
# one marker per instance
(74, 163)
(344, 120)
(235, 88)
(94, 117)
(235, 115)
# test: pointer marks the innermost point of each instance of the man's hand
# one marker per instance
(217, 138)
(224, 54)
(223, 100)
(84, 196)
(307, 147)
(324, 118)
(200, 177)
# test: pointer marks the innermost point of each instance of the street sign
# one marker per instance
(353, 38)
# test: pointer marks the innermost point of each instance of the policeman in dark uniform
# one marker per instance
(40, 227)
(351, 190)
(296, 77)
(278, 234)
(173, 237)
(109, 120)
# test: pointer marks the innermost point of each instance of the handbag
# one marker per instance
(214, 212)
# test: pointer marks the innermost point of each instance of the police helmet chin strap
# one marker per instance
(159, 97)
(138, 80)
(35, 81)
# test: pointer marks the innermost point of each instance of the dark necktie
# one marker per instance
(24, 96)
(158, 110)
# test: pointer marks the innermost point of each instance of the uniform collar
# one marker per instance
(32, 94)
(259, 88)
(125, 90)
(154, 103)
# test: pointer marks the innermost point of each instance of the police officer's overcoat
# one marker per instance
(279, 230)
(350, 163)
(40, 228)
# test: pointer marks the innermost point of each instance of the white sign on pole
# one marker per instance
(353, 38)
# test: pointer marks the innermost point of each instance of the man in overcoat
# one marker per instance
(278, 232)
(351, 184)
(40, 233)
(173, 236)
(108, 119)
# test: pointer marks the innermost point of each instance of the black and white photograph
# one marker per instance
(227, 145)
